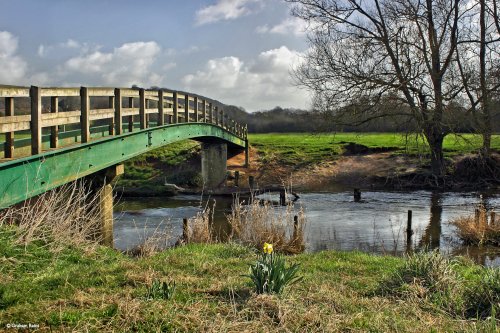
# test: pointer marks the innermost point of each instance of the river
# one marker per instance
(376, 224)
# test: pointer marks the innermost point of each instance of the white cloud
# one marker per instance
(128, 64)
(12, 67)
(262, 84)
(226, 10)
(291, 25)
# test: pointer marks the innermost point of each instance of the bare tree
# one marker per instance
(376, 49)
(478, 57)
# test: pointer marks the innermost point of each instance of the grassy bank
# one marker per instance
(306, 149)
(102, 290)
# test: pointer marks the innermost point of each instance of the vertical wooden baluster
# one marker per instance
(131, 118)
(142, 109)
(204, 111)
(85, 113)
(176, 108)
(36, 120)
(186, 108)
(196, 116)
(161, 112)
(211, 113)
(54, 130)
(9, 137)
(111, 103)
(118, 112)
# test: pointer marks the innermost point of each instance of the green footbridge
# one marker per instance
(52, 136)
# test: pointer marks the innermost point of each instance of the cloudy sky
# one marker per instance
(237, 51)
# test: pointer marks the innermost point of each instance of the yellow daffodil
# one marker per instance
(268, 248)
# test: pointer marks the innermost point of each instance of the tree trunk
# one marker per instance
(435, 140)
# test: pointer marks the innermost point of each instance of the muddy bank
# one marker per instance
(380, 168)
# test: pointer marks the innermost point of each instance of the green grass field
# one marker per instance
(303, 148)
(101, 290)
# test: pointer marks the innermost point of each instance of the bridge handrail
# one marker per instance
(173, 106)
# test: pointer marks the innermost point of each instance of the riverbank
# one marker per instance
(99, 289)
(321, 162)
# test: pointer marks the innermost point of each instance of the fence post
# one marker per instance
(9, 137)
(118, 112)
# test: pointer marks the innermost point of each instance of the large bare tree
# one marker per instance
(478, 60)
(375, 50)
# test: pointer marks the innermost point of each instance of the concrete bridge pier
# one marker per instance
(102, 183)
(213, 164)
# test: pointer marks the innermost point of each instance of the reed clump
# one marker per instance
(260, 222)
(68, 215)
(478, 229)
(200, 227)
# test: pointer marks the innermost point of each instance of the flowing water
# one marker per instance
(377, 224)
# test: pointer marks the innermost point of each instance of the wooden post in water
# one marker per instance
(477, 215)
(409, 230)
(282, 198)
(251, 182)
(357, 195)
(185, 230)
(236, 178)
(492, 218)
(295, 227)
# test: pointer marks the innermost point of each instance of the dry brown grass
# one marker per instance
(66, 215)
(200, 228)
(260, 222)
(478, 229)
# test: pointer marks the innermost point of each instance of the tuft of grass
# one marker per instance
(483, 298)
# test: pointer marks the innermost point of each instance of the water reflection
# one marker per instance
(431, 238)
(377, 224)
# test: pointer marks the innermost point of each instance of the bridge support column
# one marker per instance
(213, 164)
(103, 182)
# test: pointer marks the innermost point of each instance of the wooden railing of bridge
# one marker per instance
(166, 106)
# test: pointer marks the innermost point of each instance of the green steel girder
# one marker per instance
(24, 178)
